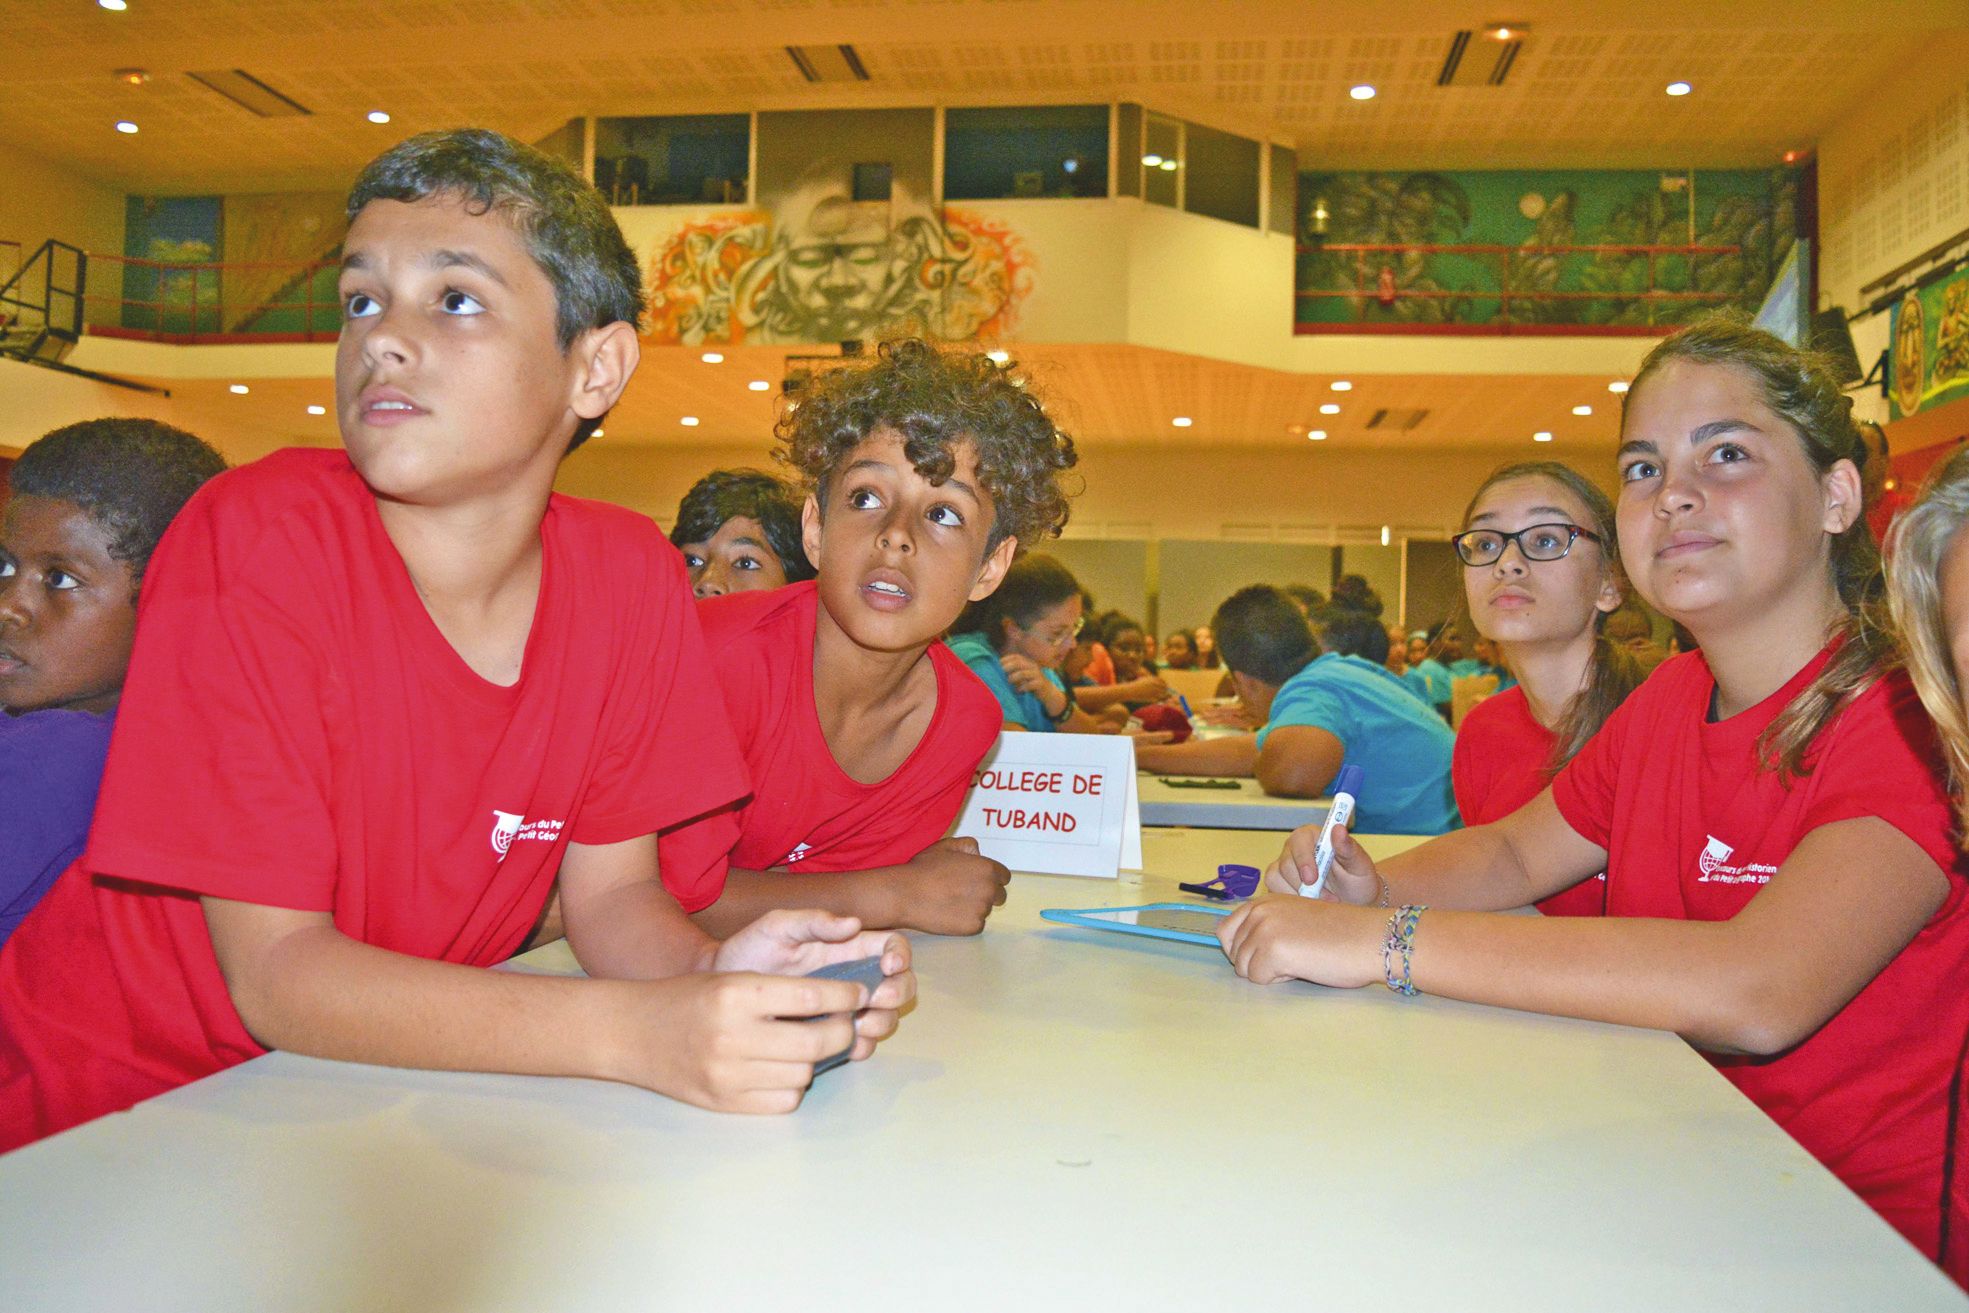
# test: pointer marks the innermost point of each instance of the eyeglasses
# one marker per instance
(1059, 638)
(1540, 542)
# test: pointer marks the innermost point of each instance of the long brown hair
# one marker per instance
(1801, 389)
(1613, 671)
(1919, 542)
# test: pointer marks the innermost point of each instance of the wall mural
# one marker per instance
(1930, 334)
(821, 268)
(1525, 211)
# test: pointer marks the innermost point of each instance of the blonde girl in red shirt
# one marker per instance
(1783, 886)
(1541, 573)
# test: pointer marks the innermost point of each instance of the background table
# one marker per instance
(1248, 808)
(1069, 1120)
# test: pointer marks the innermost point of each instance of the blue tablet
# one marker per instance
(1186, 923)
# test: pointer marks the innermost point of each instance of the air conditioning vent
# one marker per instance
(828, 63)
(1397, 419)
(1475, 61)
(250, 94)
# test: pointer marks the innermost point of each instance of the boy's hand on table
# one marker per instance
(728, 1041)
(792, 943)
(950, 888)
(1293, 938)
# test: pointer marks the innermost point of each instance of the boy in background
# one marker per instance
(89, 503)
(1320, 711)
(380, 697)
(740, 530)
(926, 472)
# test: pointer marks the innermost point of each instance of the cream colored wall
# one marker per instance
(1284, 496)
(40, 199)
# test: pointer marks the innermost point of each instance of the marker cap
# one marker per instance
(1349, 781)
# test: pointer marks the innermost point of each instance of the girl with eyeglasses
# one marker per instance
(1783, 885)
(1017, 641)
(1541, 574)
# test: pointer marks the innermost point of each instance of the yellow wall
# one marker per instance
(40, 199)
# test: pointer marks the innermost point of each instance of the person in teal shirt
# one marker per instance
(1426, 677)
(1320, 711)
(1017, 639)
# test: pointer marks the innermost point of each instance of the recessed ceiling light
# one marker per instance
(126, 127)
(1152, 161)
(1330, 408)
(998, 357)
(1317, 435)
(239, 389)
(713, 357)
(1182, 421)
(688, 421)
(115, 6)
(1582, 410)
(378, 116)
(1362, 92)
(1341, 385)
(136, 77)
(317, 410)
(1618, 386)
(759, 385)
(1541, 436)
(1679, 88)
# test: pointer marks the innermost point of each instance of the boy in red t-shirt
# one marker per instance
(378, 699)
(926, 472)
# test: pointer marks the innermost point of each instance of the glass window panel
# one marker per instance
(1049, 150)
(692, 159)
(1161, 162)
(1221, 175)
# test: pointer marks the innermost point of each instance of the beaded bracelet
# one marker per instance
(1401, 939)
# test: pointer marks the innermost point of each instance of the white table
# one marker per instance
(1067, 1121)
(1166, 802)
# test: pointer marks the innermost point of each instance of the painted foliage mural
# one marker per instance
(1506, 226)
(821, 268)
(1930, 336)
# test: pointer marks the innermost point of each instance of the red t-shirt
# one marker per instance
(806, 813)
(1693, 829)
(1498, 766)
(296, 732)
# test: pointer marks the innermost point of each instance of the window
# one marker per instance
(1162, 161)
(692, 159)
(1220, 175)
(1032, 151)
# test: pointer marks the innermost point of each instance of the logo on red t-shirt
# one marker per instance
(1715, 868)
(799, 850)
(507, 827)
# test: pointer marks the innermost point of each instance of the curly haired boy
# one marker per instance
(927, 470)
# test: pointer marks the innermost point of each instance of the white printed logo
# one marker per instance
(508, 829)
(1715, 868)
(799, 851)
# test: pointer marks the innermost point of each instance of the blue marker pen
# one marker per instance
(1345, 790)
(1184, 703)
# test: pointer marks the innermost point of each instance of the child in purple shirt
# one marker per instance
(89, 503)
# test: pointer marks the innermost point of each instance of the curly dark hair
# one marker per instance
(1035, 583)
(724, 495)
(936, 399)
(131, 476)
(566, 225)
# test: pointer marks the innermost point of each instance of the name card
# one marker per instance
(1058, 804)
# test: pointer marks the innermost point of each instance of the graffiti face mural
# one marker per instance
(823, 268)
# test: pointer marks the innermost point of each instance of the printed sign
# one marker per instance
(1057, 804)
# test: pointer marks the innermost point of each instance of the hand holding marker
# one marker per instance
(1345, 789)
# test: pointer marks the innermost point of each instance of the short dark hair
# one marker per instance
(724, 495)
(1351, 631)
(1354, 590)
(565, 223)
(1114, 624)
(1034, 583)
(1262, 635)
(936, 399)
(131, 476)
(1309, 598)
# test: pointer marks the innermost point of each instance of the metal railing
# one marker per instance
(1520, 309)
(240, 301)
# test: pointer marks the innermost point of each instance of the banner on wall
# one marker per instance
(1930, 333)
